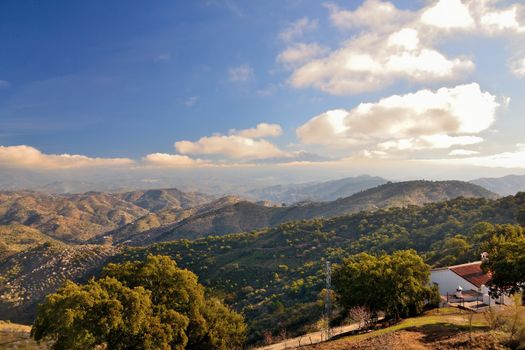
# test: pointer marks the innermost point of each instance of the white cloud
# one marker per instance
(240, 144)
(171, 160)
(261, 130)
(232, 146)
(374, 14)
(4, 84)
(462, 152)
(518, 67)
(27, 157)
(424, 119)
(371, 61)
(298, 28)
(300, 53)
(242, 73)
(448, 14)
(390, 44)
(500, 20)
(438, 141)
(514, 159)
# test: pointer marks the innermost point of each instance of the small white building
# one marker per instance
(465, 283)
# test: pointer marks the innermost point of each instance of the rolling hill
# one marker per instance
(274, 276)
(145, 227)
(317, 191)
(247, 216)
(506, 185)
(79, 217)
(28, 276)
(157, 200)
(17, 238)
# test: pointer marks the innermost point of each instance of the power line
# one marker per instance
(328, 302)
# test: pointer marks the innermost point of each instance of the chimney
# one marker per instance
(459, 293)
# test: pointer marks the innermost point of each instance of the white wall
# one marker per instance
(449, 281)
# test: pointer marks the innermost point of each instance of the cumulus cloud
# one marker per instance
(298, 28)
(371, 61)
(241, 74)
(497, 20)
(373, 14)
(389, 44)
(300, 53)
(422, 120)
(448, 14)
(261, 130)
(27, 157)
(171, 160)
(232, 146)
(240, 144)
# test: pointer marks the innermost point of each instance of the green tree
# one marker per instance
(396, 284)
(103, 313)
(506, 260)
(139, 305)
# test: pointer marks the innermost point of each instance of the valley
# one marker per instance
(264, 260)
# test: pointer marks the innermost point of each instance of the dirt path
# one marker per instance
(308, 339)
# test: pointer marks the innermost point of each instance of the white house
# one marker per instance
(465, 283)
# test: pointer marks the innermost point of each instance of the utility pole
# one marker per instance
(328, 302)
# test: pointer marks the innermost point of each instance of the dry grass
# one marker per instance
(439, 329)
(16, 336)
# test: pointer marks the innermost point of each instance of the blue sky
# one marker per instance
(164, 83)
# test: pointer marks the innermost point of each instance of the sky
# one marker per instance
(400, 89)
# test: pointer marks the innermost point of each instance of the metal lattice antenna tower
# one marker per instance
(328, 301)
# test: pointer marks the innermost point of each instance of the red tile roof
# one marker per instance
(472, 272)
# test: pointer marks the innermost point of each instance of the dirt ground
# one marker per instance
(16, 337)
(438, 337)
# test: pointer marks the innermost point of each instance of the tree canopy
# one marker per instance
(506, 260)
(396, 284)
(138, 305)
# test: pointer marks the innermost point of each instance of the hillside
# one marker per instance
(79, 217)
(157, 200)
(146, 227)
(67, 217)
(27, 277)
(274, 276)
(17, 238)
(443, 329)
(247, 216)
(407, 193)
(506, 185)
(317, 191)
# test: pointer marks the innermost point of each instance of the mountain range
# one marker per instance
(266, 270)
(506, 185)
(316, 191)
(232, 215)
(78, 217)
(251, 250)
